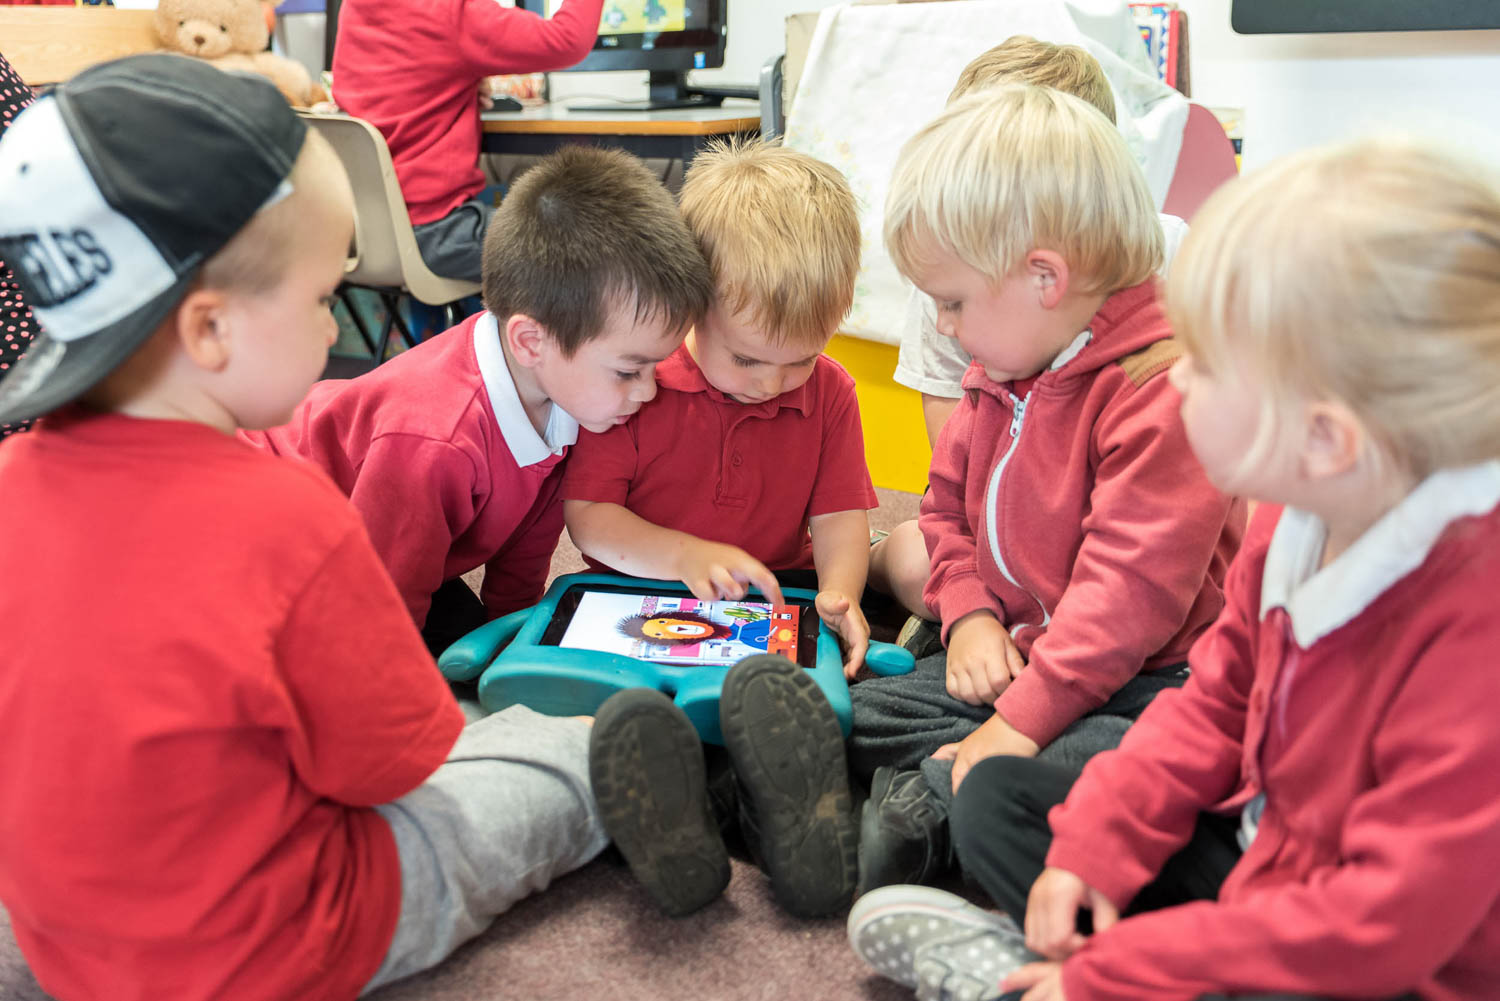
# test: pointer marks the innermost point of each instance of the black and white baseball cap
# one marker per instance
(114, 190)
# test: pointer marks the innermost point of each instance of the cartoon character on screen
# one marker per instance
(677, 627)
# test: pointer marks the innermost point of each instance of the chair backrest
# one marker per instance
(385, 253)
(49, 44)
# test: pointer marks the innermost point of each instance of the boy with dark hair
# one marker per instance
(451, 451)
(199, 757)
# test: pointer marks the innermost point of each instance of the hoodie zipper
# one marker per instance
(991, 502)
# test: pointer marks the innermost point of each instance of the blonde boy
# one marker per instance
(749, 461)
(1077, 548)
(216, 722)
(934, 365)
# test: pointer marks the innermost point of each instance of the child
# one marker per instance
(1342, 313)
(751, 457)
(1077, 548)
(199, 732)
(452, 451)
(413, 70)
(934, 365)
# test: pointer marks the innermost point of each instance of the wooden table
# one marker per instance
(49, 44)
(673, 133)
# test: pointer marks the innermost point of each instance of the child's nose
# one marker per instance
(645, 389)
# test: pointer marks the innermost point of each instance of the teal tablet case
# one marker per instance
(513, 668)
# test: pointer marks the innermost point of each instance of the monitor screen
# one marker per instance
(652, 34)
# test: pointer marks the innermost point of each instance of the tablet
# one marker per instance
(672, 628)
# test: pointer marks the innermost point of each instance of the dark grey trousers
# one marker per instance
(452, 247)
(902, 719)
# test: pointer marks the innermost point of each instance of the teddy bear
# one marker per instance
(232, 35)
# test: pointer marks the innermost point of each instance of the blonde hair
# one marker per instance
(255, 259)
(1008, 170)
(780, 231)
(1023, 59)
(1368, 273)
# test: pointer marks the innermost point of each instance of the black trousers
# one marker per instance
(1000, 831)
(455, 612)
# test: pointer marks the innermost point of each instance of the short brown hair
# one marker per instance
(780, 231)
(1023, 59)
(582, 231)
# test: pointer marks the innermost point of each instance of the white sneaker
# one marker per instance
(936, 942)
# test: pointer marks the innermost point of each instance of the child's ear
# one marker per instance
(525, 339)
(1048, 273)
(1335, 441)
(202, 327)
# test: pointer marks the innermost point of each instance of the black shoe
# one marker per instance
(788, 755)
(646, 768)
(922, 637)
(903, 832)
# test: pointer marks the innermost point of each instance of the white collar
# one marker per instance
(526, 446)
(1320, 601)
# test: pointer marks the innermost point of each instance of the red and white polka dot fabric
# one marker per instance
(17, 327)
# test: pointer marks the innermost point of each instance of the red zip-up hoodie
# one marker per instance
(1078, 516)
(1356, 704)
(412, 69)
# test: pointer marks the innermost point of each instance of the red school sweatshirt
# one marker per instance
(1078, 516)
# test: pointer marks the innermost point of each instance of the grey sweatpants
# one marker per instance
(901, 719)
(508, 812)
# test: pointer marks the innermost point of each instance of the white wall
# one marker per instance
(1301, 90)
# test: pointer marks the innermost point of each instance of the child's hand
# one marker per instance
(1040, 981)
(714, 571)
(994, 737)
(1052, 913)
(845, 618)
(982, 659)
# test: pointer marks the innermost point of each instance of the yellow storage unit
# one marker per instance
(896, 447)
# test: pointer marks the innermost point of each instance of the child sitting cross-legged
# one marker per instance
(1314, 815)
(1077, 548)
(749, 462)
(452, 451)
(227, 748)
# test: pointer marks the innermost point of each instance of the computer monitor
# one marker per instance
(665, 37)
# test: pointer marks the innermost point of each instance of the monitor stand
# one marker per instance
(670, 89)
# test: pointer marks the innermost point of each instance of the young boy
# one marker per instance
(201, 730)
(1077, 548)
(751, 457)
(934, 365)
(452, 451)
(413, 70)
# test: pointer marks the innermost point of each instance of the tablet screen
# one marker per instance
(680, 629)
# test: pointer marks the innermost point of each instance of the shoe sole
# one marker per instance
(646, 769)
(788, 754)
(935, 942)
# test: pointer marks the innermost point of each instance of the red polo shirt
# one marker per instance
(695, 460)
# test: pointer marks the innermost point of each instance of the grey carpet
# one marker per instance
(594, 934)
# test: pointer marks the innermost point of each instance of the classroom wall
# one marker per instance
(1302, 90)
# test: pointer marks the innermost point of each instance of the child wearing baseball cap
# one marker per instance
(232, 763)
